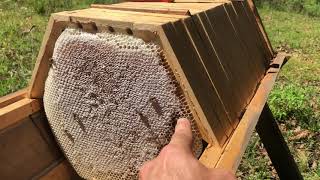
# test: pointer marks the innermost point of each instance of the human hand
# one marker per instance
(176, 161)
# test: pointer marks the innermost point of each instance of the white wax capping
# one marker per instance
(112, 103)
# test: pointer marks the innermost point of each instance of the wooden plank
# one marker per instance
(256, 60)
(276, 146)
(193, 8)
(217, 71)
(40, 121)
(42, 65)
(258, 47)
(17, 111)
(261, 26)
(61, 171)
(236, 58)
(223, 57)
(215, 74)
(24, 152)
(119, 15)
(234, 150)
(258, 31)
(198, 114)
(195, 73)
(13, 97)
(143, 9)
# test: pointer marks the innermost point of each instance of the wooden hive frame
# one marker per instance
(162, 23)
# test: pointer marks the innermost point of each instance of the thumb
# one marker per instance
(182, 136)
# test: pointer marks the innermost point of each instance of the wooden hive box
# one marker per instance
(218, 52)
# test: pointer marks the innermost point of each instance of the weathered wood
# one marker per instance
(259, 30)
(42, 65)
(13, 97)
(195, 74)
(261, 27)
(200, 118)
(17, 111)
(24, 152)
(216, 47)
(215, 75)
(276, 146)
(159, 10)
(237, 59)
(232, 152)
(193, 8)
(60, 171)
(245, 33)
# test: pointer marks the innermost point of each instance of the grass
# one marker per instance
(294, 101)
(18, 46)
(308, 7)
(23, 24)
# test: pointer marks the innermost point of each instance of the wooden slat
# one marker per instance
(144, 9)
(264, 45)
(261, 26)
(42, 65)
(17, 111)
(216, 46)
(13, 97)
(193, 8)
(195, 73)
(256, 60)
(24, 152)
(218, 72)
(235, 57)
(237, 144)
(119, 15)
(249, 30)
(199, 116)
(216, 76)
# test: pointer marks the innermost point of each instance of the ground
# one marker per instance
(295, 100)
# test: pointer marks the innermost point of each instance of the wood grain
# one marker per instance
(24, 152)
(61, 171)
(42, 65)
(233, 152)
(195, 74)
(13, 97)
(15, 112)
(215, 74)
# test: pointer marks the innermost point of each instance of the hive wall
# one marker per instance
(112, 102)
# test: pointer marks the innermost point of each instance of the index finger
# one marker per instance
(183, 135)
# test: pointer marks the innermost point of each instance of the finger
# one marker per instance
(183, 135)
(221, 174)
(146, 170)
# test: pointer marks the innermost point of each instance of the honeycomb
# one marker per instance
(112, 102)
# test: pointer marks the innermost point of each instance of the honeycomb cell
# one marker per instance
(112, 102)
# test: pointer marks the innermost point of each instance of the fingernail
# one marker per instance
(181, 121)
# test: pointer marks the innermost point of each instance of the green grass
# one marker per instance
(294, 101)
(18, 48)
(22, 26)
(308, 7)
